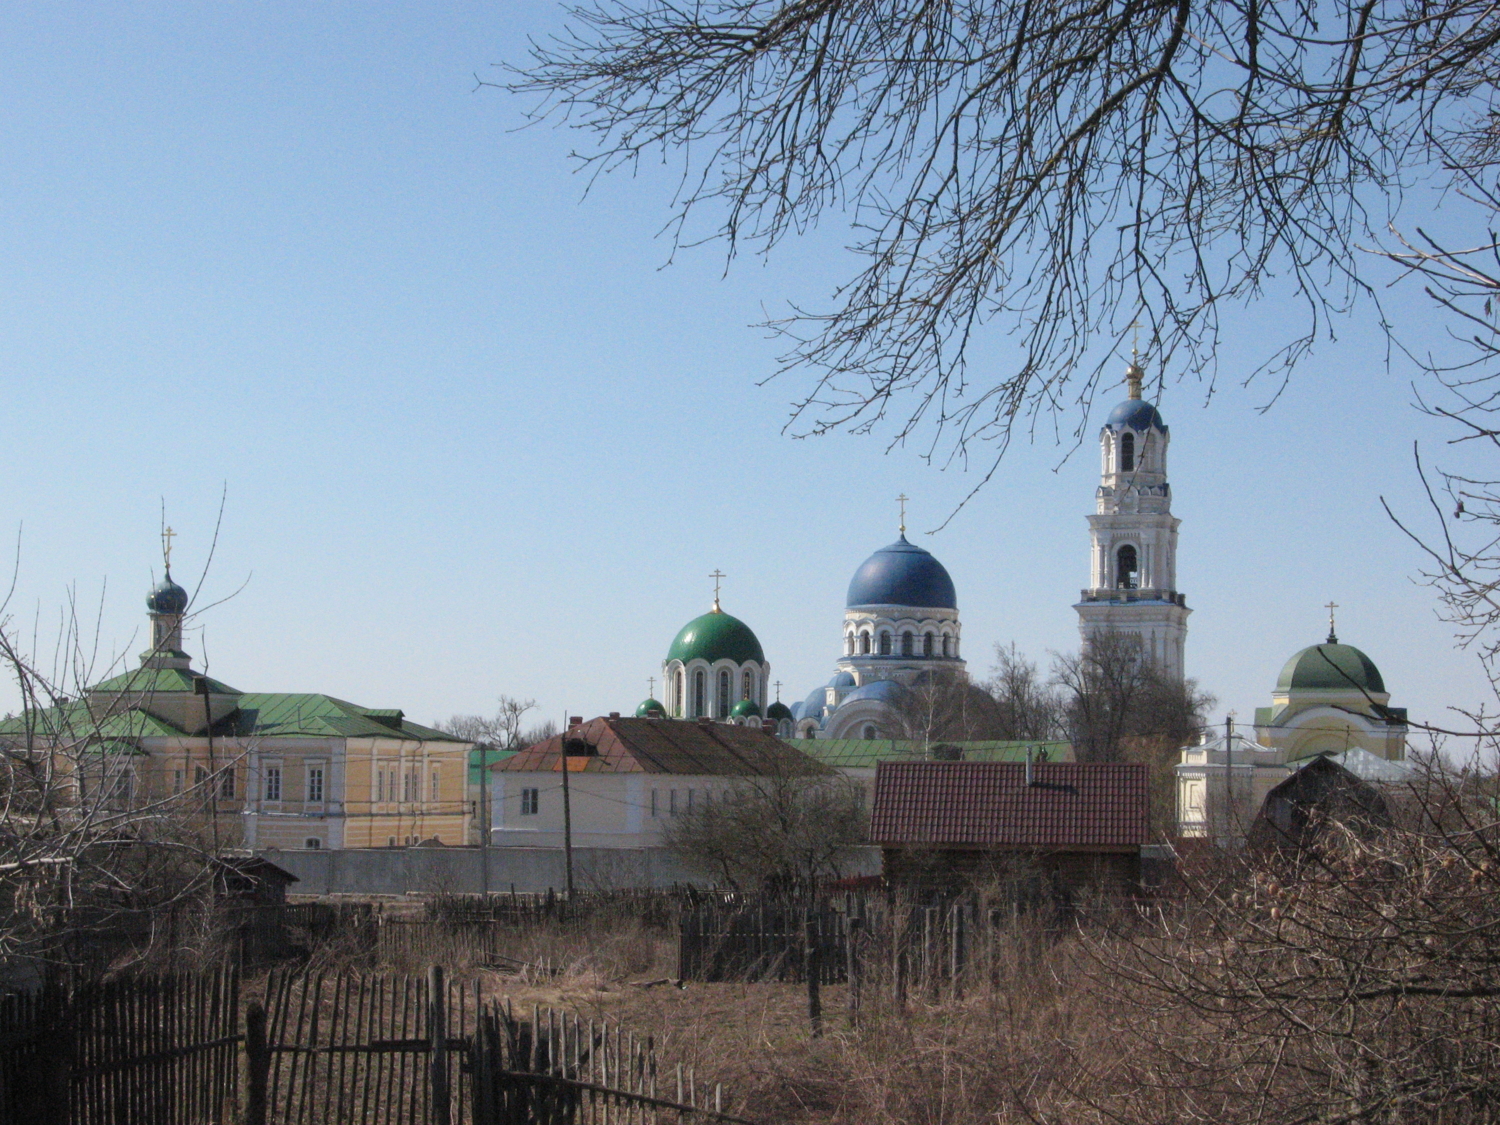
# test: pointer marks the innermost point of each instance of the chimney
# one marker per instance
(705, 720)
(575, 720)
(1030, 778)
(614, 714)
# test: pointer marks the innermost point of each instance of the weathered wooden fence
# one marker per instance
(326, 1049)
(158, 1050)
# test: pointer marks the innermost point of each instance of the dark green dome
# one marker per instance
(716, 636)
(778, 711)
(1330, 667)
(745, 709)
(650, 709)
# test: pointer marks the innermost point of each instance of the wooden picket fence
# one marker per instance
(326, 1049)
(162, 1050)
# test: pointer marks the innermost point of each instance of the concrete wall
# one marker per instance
(398, 871)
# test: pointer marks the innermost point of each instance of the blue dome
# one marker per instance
(167, 597)
(814, 707)
(902, 574)
(842, 679)
(1136, 414)
(887, 691)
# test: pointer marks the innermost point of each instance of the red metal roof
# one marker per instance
(675, 746)
(1092, 806)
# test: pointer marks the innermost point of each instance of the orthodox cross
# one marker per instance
(1332, 636)
(166, 546)
(777, 685)
(718, 575)
(902, 499)
(650, 687)
(1135, 338)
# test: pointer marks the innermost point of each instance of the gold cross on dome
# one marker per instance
(1135, 338)
(902, 499)
(718, 576)
(166, 546)
(778, 691)
(1332, 634)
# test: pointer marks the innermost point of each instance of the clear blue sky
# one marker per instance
(477, 440)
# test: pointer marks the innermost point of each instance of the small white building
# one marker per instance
(627, 778)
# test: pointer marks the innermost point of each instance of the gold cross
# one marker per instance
(1330, 607)
(1135, 338)
(166, 546)
(902, 499)
(717, 575)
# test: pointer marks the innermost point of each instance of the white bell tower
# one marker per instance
(1133, 582)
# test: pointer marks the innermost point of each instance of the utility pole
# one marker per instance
(1229, 817)
(567, 816)
(484, 820)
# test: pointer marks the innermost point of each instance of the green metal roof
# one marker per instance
(862, 753)
(273, 714)
(1330, 667)
(72, 722)
(159, 680)
(489, 757)
(716, 636)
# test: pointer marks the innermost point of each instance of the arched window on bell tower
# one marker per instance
(1127, 568)
(1127, 452)
(700, 695)
(723, 708)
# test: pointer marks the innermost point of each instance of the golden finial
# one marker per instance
(1333, 637)
(902, 499)
(1133, 374)
(718, 575)
(166, 547)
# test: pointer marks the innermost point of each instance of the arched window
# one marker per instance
(906, 649)
(723, 707)
(747, 685)
(1127, 452)
(869, 731)
(1127, 568)
(927, 644)
(700, 695)
(677, 695)
(849, 644)
(885, 644)
(947, 645)
(864, 644)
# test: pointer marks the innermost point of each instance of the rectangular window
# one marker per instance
(671, 802)
(226, 784)
(176, 781)
(272, 789)
(433, 795)
(312, 843)
(654, 813)
(200, 775)
(380, 785)
(390, 841)
(315, 784)
(690, 800)
(530, 801)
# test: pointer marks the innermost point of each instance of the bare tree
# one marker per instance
(1114, 694)
(1057, 170)
(1350, 981)
(945, 708)
(504, 729)
(779, 832)
(1028, 706)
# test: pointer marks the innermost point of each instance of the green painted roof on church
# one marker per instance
(159, 680)
(863, 753)
(716, 636)
(1330, 667)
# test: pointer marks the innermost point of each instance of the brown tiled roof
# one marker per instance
(668, 746)
(1088, 806)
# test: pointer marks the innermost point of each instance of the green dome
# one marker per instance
(778, 711)
(745, 709)
(650, 709)
(1330, 667)
(716, 636)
